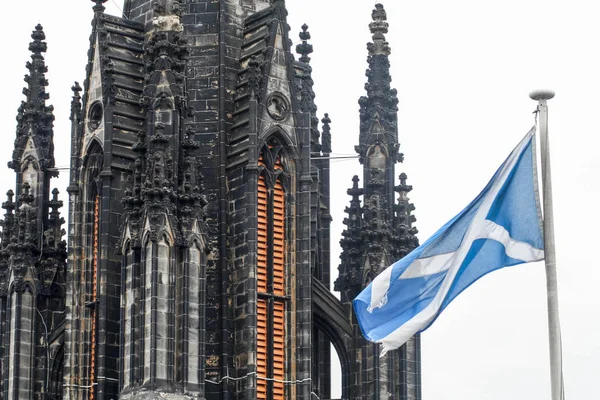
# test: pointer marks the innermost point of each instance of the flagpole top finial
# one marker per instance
(541, 94)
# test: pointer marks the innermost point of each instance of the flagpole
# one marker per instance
(556, 380)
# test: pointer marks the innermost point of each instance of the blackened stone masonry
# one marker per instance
(32, 252)
(198, 262)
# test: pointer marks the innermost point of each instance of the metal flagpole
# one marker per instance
(556, 380)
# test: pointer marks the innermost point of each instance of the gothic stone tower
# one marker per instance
(199, 218)
(32, 252)
(380, 231)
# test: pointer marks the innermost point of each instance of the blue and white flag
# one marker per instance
(500, 228)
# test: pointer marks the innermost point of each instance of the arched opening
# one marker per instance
(337, 374)
(273, 307)
(91, 208)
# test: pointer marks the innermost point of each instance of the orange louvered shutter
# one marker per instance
(262, 235)
(261, 348)
(278, 240)
(95, 257)
(278, 350)
(271, 307)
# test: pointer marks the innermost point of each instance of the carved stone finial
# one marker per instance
(403, 178)
(355, 191)
(99, 5)
(326, 138)
(304, 48)
(403, 188)
(379, 26)
(38, 46)
(9, 204)
(76, 102)
(76, 88)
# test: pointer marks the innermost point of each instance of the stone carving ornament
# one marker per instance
(278, 106)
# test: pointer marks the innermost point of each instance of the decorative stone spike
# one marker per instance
(304, 48)
(379, 26)
(378, 109)
(403, 188)
(350, 275)
(8, 221)
(34, 117)
(76, 102)
(326, 138)
(404, 237)
(38, 46)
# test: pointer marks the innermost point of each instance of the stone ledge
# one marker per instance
(157, 395)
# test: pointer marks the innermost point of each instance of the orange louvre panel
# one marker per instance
(261, 349)
(278, 350)
(262, 236)
(278, 239)
(95, 252)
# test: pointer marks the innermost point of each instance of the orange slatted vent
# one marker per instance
(262, 235)
(271, 243)
(95, 257)
(261, 349)
(279, 240)
(278, 350)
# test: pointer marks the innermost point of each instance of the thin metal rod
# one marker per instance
(556, 378)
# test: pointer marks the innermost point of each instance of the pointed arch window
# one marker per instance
(92, 220)
(271, 284)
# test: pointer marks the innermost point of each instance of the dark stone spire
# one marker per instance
(378, 110)
(350, 270)
(32, 236)
(307, 92)
(34, 118)
(7, 231)
(54, 249)
(404, 239)
(76, 102)
(23, 247)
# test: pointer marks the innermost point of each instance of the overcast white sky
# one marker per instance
(463, 70)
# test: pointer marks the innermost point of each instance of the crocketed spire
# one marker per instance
(307, 92)
(350, 277)
(404, 236)
(378, 109)
(35, 118)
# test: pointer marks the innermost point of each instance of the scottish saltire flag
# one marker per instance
(500, 228)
